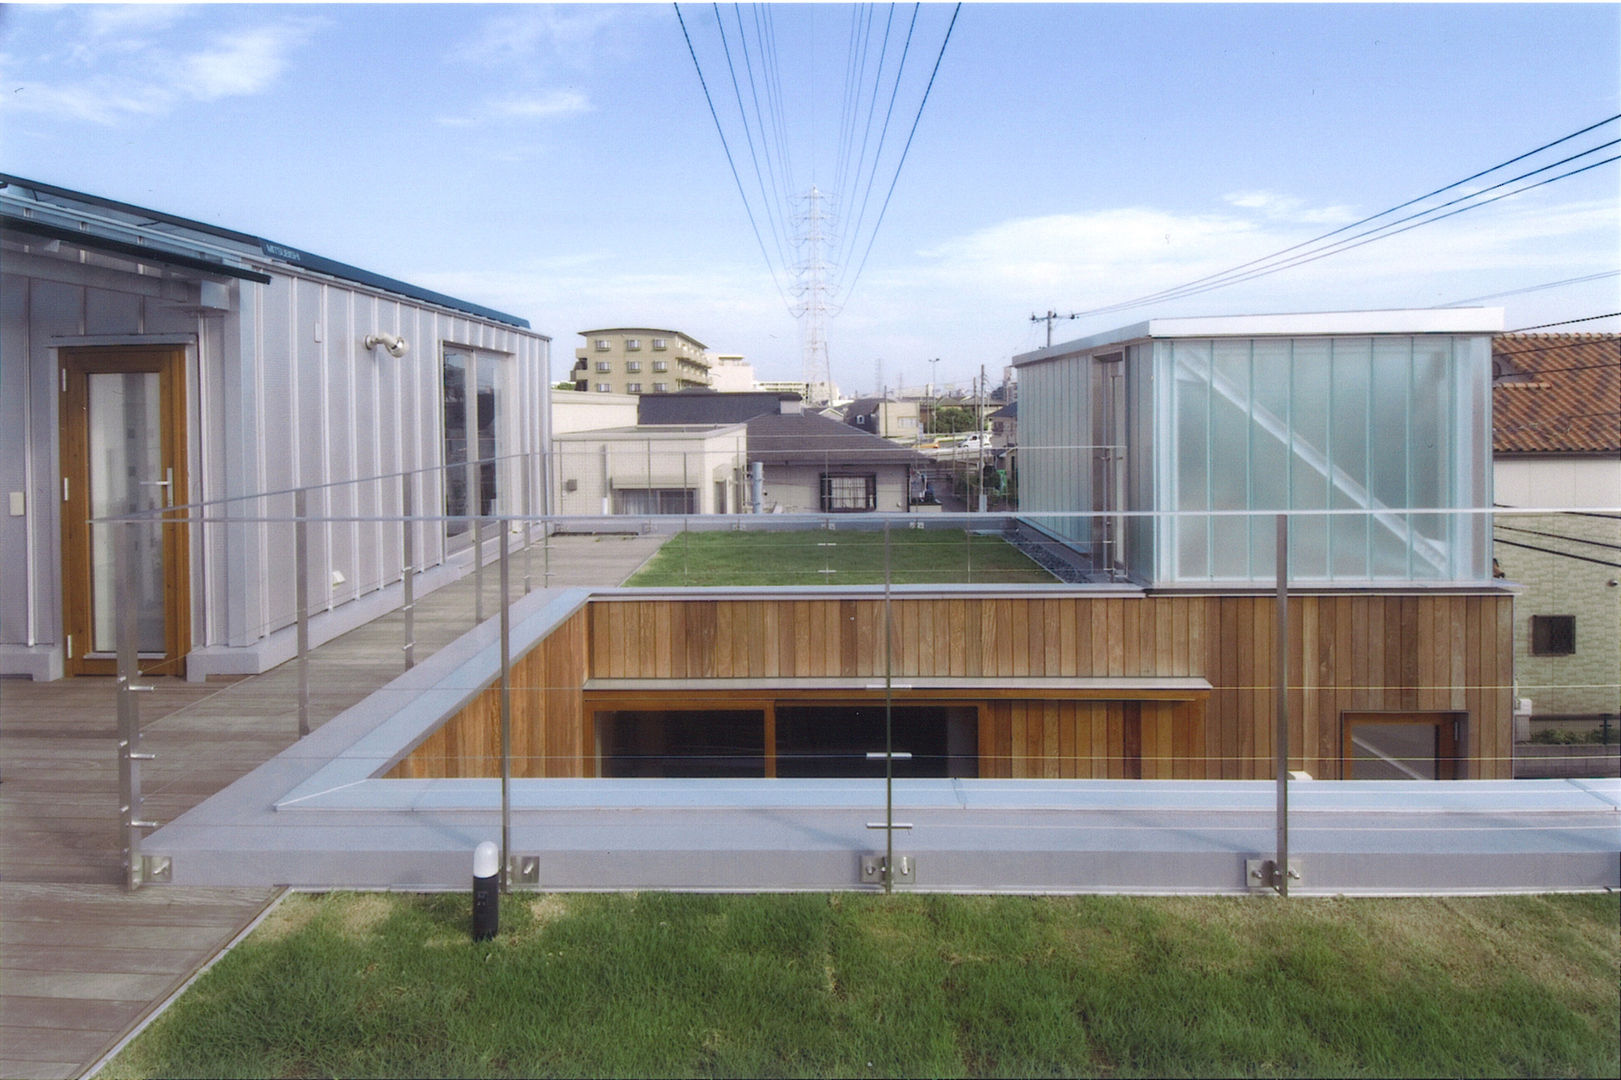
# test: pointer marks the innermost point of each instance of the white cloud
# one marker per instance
(548, 105)
(1281, 207)
(238, 64)
(135, 69)
(575, 34)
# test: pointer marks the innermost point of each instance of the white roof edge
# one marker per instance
(1458, 320)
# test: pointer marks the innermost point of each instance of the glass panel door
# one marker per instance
(123, 453)
(126, 476)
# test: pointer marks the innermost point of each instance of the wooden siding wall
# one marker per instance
(1419, 652)
(549, 731)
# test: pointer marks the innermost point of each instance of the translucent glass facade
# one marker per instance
(1374, 433)
(1375, 429)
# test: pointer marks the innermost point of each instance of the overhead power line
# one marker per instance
(729, 161)
(904, 150)
(1565, 322)
(1535, 288)
(1309, 250)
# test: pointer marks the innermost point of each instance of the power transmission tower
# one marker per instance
(812, 289)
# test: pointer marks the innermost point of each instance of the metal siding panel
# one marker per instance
(338, 431)
(362, 403)
(107, 312)
(20, 459)
(284, 317)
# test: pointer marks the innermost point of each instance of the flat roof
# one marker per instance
(650, 431)
(1299, 324)
(96, 223)
(641, 330)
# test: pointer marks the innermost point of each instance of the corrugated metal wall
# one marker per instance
(281, 393)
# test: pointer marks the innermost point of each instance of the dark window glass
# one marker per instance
(1553, 635)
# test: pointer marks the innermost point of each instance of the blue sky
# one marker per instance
(561, 163)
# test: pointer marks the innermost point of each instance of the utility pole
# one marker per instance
(1048, 319)
(981, 396)
(934, 392)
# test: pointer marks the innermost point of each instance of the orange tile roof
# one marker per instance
(1556, 393)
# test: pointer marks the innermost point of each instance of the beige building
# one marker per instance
(651, 469)
(731, 374)
(639, 360)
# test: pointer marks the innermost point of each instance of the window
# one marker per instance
(471, 409)
(660, 344)
(861, 421)
(604, 388)
(849, 494)
(656, 501)
(1553, 635)
(582, 385)
(603, 367)
(603, 344)
(633, 344)
(633, 388)
(661, 365)
(660, 387)
(633, 366)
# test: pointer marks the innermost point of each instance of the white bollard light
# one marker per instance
(486, 891)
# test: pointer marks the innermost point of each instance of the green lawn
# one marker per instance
(864, 985)
(837, 557)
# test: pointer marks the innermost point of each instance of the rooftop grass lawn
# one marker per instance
(848, 984)
(838, 557)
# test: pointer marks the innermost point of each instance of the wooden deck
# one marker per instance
(83, 961)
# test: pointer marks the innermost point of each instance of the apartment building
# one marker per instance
(640, 360)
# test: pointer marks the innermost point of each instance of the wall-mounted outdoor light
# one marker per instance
(395, 344)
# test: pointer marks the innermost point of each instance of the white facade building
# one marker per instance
(154, 362)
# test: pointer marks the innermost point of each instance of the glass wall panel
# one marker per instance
(1230, 431)
(1311, 421)
(1190, 365)
(1348, 533)
(1430, 457)
(1389, 442)
(1270, 466)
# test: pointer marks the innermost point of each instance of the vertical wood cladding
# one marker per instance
(1350, 652)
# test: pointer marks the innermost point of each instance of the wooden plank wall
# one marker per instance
(1348, 652)
(549, 735)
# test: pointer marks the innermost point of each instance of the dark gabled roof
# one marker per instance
(1009, 411)
(708, 406)
(807, 439)
(172, 234)
(1556, 393)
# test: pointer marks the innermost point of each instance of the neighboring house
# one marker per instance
(639, 360)
(1005, 426)
(731, 374)
(810, 464)
(1556, 441)
(651, 469)
(816, 465)
(897, 420)
(1145, 441)
(152, 361)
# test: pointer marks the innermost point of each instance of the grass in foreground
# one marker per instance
(837, 557)
(863, 985)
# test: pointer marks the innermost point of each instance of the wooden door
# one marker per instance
(123, 451)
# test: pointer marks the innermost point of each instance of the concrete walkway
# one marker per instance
(81, 961)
